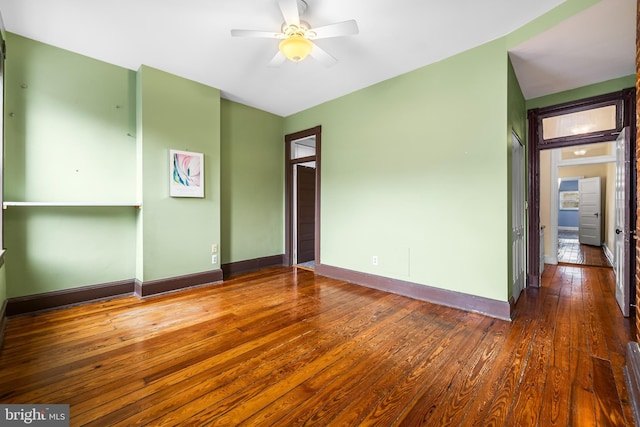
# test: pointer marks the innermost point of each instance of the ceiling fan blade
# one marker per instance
(322, 56)
(338, 29)
(289, 9)
(256, 33)
(277, 60)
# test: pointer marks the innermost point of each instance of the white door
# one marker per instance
(590, 215)
(623, 224)
(517, 216)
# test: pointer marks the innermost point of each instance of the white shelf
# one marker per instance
(5, 205)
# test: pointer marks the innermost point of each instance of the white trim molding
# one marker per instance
(609, 255)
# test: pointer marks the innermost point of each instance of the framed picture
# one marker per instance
(186, 176)
(569, 200)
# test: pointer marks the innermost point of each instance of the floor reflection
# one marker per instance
(570, 251)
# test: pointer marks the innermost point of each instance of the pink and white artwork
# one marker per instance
(186, 178)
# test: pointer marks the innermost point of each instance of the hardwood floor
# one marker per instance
(284, 347)
(570, 251)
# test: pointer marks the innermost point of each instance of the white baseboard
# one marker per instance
(568, 228)
(549, 259)
(608, 254)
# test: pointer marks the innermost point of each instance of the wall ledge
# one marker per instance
(486, 306)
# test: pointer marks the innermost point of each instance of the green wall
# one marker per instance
(66, 126)
(252, 177)
(68, 121)
(516, 109)
(413, 171)
(175, 234)
(583, 92)
(79, 130)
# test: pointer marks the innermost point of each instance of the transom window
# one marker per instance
(597, 121)
(580, 122)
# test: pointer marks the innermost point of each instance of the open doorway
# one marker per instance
(302, 219)
(571, 124)
(577, 204)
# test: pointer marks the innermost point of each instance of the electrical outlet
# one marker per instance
(214, 259)
(214, 248)
(374, 260)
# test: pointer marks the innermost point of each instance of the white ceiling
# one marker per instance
(597, 44)
(191, 38)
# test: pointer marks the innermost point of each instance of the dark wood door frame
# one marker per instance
(625, 101)
(288, 211)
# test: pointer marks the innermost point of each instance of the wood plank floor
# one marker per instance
(284, 347)
(570, 251)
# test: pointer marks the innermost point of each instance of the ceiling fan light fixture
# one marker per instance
(295, 48)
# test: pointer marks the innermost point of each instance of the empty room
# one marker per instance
(287, 212)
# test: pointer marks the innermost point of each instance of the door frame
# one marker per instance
(625, 102)
(289, 187)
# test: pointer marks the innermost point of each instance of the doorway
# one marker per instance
(619, 108)
(302, 200)
(577, 232)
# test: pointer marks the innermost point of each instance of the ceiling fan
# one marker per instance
(297, 36)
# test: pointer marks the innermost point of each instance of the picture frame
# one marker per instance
(186, 174)
(569, 200)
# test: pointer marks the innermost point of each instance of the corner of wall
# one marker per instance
(252, 184)
(176, 234)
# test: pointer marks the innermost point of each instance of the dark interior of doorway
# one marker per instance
(305, 215)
